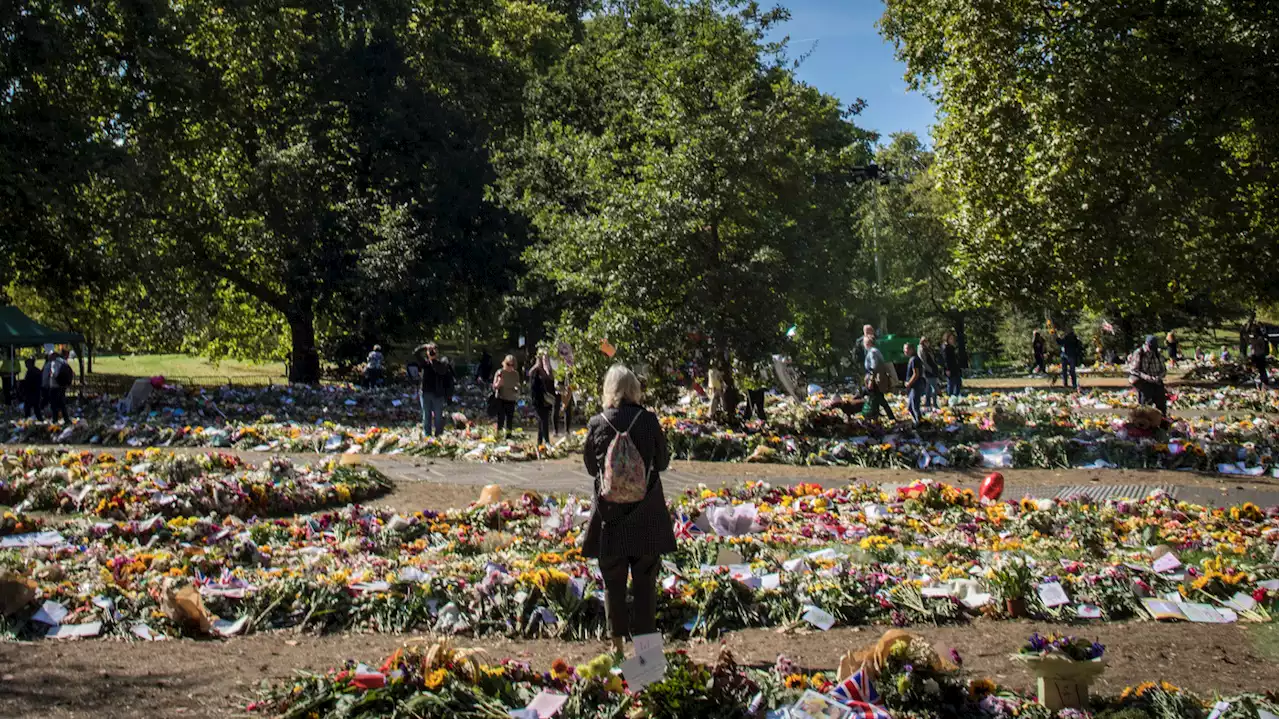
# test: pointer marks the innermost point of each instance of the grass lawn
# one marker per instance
(1264, 638)
(179, 366)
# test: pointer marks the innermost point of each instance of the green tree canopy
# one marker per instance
(681, 178)
(1103, 155)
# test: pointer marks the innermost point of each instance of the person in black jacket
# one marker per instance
(1069, 351)
(951, 363)
(484, 370)
(1037, 352)
(628, 538)
(30, 390)
(542, 387)
(437, 387)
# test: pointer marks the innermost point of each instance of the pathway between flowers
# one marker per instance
(189, 678)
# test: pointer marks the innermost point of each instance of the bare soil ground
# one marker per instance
(187, 678)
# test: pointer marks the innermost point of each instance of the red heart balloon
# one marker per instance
(992, 487)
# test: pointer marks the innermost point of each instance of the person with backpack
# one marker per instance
(55, 378)
(879, 380)
(436, 388)
(630, 528)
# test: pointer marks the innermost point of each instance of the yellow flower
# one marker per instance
(794, 681)
(435, 679)
(979, 688)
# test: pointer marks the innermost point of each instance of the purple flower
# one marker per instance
(908, 668)
(955, 658)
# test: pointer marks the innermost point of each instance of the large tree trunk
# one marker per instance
(305, 367)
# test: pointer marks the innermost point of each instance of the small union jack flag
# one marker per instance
(685, 528)
(856, 687)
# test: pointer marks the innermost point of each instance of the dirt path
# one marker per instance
(187, 678)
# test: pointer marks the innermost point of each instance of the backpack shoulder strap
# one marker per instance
(633, 421)
(610, 424)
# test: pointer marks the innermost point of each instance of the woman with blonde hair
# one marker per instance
(628, 538)
(506, 387)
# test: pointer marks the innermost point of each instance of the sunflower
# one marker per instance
(979, 688)
(561, 669)
(435, 679)
(794, 681)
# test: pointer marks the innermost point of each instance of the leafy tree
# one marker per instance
(687, 191)
(276, 169)
(1112, 156)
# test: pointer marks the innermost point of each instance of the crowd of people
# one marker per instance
(43, 390)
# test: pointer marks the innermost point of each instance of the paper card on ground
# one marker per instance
(1271, 585)
(547, 704)
(936, 592)
(73, 631)
(1166, 563)
(1052, 594)
(644, 669)
(827, 553)
(1088, 611)
(144, 633)
(1264, 714)
(819, 618)
(813, 705)
(50, 613)
(795, 565)
(1241, 602)
(1160, 609)
(643, 643)
(740, 571)
(1202, 613)
(976, 600)
(224, 628)
(771, 581)
(726, 557)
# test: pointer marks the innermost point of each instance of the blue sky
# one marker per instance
(849, 59)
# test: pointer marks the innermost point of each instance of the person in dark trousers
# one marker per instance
(877, 381)
(1171, 346)
(915, 382)
(1069, 351)
(542, 387)
(628, 539)
(55, 378)
(1146, 374)
(1259, 348)
(436, 388)
(484, 370)
(1037, 352)
(929, 362)
(31, 390)
(951, 363)
(506, 388)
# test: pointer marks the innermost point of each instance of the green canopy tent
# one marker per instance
(18, 330)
